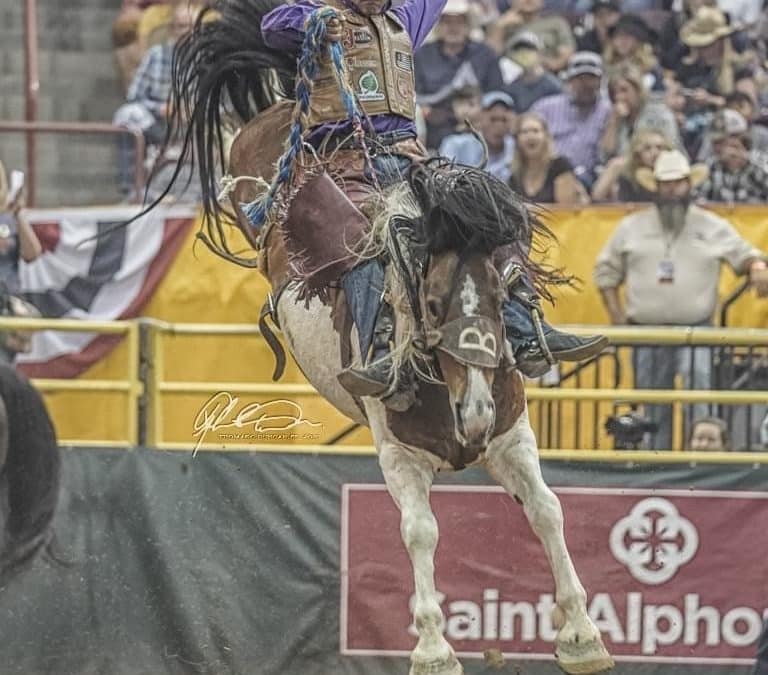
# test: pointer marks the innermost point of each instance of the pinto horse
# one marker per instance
(29, 475)
(446, 294)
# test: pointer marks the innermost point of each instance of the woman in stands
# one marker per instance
(537, 172)
(617, 182)
(18, 240)
(633, 108)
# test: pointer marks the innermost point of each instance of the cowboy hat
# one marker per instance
(671, 165)
(707, 26)
(636, 26)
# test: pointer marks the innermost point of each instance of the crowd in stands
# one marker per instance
(574, 102)
(607, 85)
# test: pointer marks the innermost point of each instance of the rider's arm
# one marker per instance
(283, 27)
(419, 17)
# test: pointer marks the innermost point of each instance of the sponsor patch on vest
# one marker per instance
(404, 87)
(404, 61)
(362, 37)
(368, 87)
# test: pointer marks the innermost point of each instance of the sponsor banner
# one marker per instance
(671, 575)
(91, 269)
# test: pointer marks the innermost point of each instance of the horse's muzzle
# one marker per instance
(475, 418)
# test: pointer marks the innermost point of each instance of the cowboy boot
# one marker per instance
(536, 345)
(376, 378)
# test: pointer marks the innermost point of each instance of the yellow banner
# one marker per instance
(200, 287)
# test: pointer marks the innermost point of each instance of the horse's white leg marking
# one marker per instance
(513, 461)
(409, 478)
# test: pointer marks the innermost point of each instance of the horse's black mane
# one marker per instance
(465, 209)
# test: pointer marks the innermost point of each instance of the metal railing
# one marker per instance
(96, 128)
(130, 386)
(147, 389)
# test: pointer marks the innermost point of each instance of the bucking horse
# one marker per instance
(439, 229)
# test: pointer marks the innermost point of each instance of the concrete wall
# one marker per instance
(78, 82)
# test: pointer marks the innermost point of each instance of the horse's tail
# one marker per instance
(223, 65)
(31, 473)
(221, 69)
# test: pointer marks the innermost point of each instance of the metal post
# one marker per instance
(32, 80)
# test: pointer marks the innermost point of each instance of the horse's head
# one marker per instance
(461, 308)
(465, 217)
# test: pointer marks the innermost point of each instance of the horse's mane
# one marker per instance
(465, 209)
(31, 473)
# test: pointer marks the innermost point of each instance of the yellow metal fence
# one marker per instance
(160, 407)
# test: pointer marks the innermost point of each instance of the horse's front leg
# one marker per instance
(513, 461)
(408, 481)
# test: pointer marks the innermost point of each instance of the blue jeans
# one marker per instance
(364, 284)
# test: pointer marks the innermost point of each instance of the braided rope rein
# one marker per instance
(258, 210)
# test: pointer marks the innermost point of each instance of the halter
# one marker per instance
(473, 340)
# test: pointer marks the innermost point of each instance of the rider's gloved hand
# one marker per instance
(334, 30)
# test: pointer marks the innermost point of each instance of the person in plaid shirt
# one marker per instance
(146, 107)
(736, 174)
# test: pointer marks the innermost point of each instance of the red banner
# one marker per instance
(671, 575)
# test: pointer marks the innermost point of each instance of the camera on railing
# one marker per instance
(629, 429)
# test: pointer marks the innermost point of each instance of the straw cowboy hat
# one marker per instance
(707, 26)
(671, 165)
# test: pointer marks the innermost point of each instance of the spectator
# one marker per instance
(18, 240)
(668, 259)
(497, 121)
(448, 64)
(742, 13)
(671, 48)
(709, 433)
(465, 105)
(605, 14)
(126, 45)
(630, 43)
(538, 172)
(692, 120)
(736, 175)
(146, 107)
(632, 109)
(743, 104)
(618, 180)
(525, 79)
(552, 29)
(711, 67)
(577, 117)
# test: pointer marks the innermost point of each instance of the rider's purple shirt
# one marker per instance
(283, 29)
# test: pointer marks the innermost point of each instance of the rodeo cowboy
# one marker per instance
(378, 42)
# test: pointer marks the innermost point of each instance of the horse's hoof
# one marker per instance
(583, 658)
(449, 666)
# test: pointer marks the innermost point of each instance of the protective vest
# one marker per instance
(379, 57)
